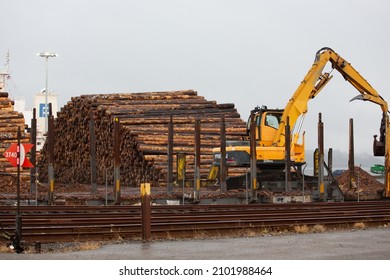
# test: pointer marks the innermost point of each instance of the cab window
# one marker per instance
(272, 121)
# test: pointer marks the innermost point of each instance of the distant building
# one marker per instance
(20, 106)
(41, 113)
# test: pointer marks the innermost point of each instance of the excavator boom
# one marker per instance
(312, 84)
(315, 80)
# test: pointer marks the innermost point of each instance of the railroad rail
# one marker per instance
(46, 224)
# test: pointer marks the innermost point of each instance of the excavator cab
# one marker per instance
(267, 123)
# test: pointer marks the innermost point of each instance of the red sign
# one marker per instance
(12, 155)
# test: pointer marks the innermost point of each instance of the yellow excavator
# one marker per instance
(270, 124)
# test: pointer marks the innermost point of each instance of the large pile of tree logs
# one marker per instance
(10, 120)
(144, 120)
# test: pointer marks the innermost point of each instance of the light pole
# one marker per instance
(46, 109)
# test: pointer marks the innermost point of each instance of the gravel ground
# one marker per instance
(368, 244)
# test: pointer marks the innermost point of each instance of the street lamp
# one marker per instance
(46, 110)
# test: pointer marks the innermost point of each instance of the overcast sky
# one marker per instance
(244, 52)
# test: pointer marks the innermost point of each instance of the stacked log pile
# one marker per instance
(144, 120)
(10, 120)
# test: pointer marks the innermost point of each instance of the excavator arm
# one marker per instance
(312, 84)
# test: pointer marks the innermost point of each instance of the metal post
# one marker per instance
(321, 184)
(170, 156)
(330, 187)
(184, 184)
(351, 156)
(330, 161)
(106, 187)
(288, 156)
(358, 184)
(223, 167)
(117, 160)
(33, 158)
(197, 161)
(50, 140)
(253, 158)
(92, 153)
(303, 184)
(18, 221)
(246, 186)
(146, 212)
(47, 55)
(46, 95)
(387, 155)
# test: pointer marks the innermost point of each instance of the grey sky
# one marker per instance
(244, 52)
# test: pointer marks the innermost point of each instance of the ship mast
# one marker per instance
(4, 74)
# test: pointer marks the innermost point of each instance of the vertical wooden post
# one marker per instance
(170, 156)
(146, 212)
(117, 161)
(223, 167)
(92, 153)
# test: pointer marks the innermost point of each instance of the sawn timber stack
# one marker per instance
(144, 119)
